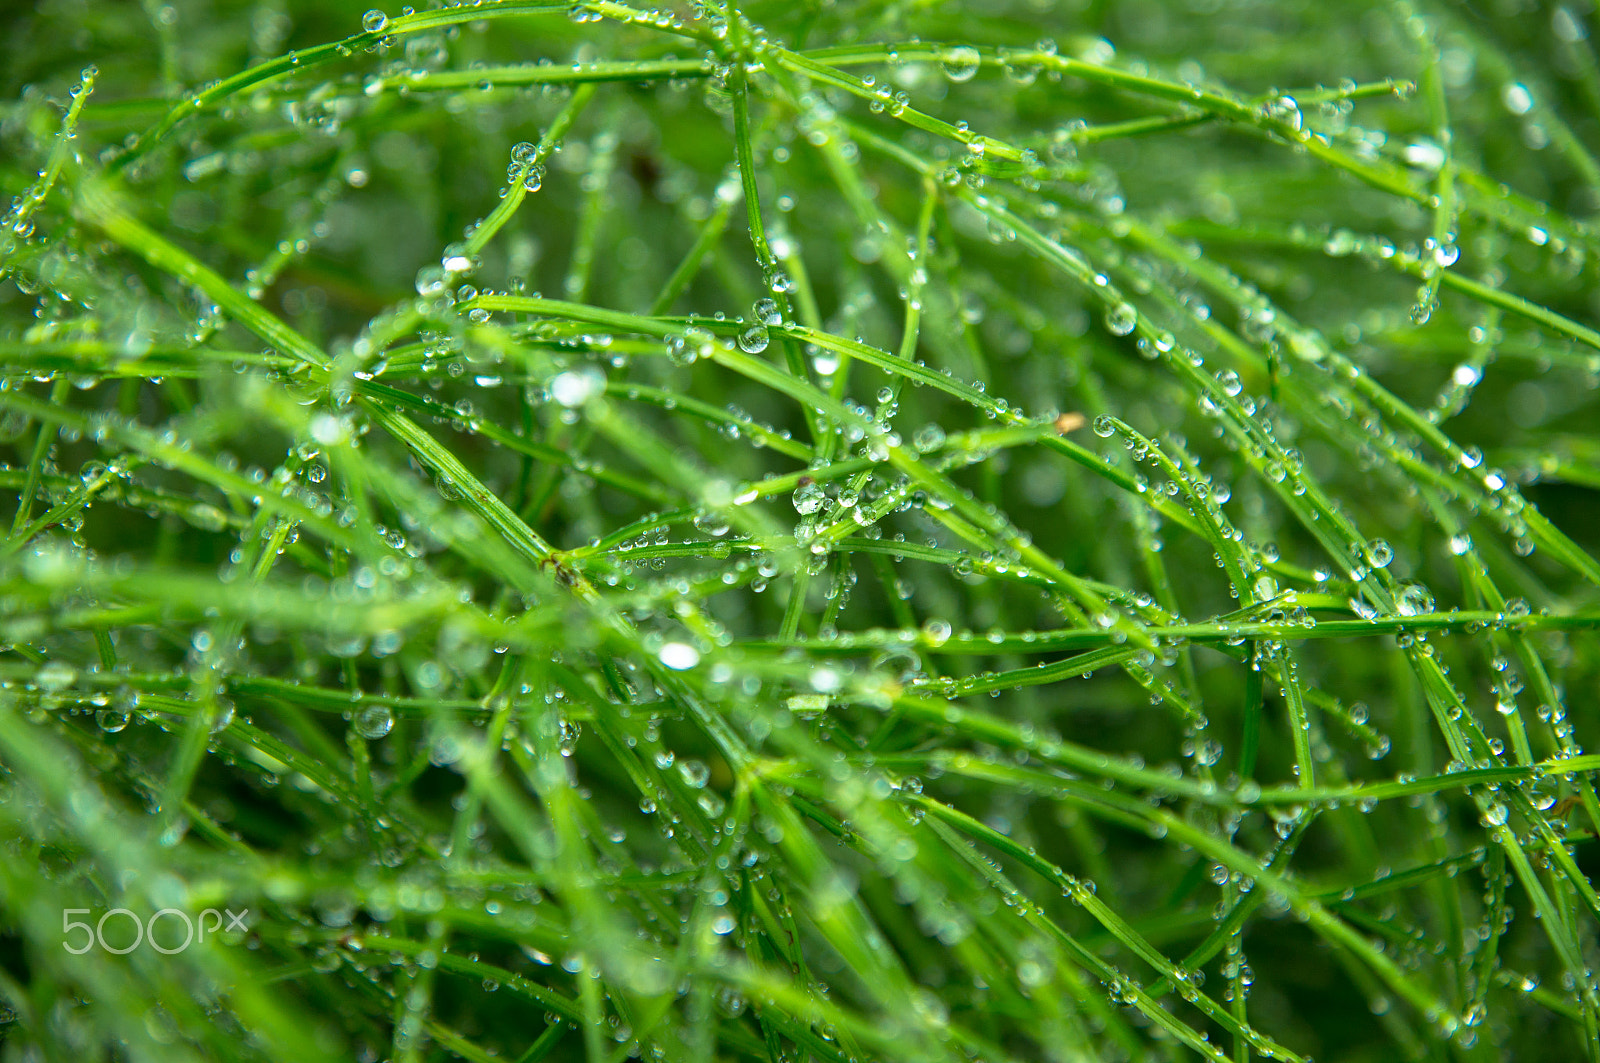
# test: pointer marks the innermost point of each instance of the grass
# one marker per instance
(529, 499)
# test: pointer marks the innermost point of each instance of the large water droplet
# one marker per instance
(576, 387)
(54, 676)
(679, 656)
(1414, 599)
(753, 340)
(1284, 109)
(961, 64)
(1121, 319)
(374, 721)
(928, 437)
(808, 498)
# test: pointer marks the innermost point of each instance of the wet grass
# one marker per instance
(852, 532)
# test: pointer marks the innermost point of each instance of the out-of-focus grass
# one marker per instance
(865, 531)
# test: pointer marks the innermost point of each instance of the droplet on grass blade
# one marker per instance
(961, 64)
(54, 676)
(927, 438)
(679, 656)
(1286, 110)
(753, 340)
(374, 721)
(808, 498)
(576, 387)
(1414, 599)
(1121, 319)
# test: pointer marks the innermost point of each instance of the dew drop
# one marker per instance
(1121, 319)
(753, 340)
(576, 387)
(55, 676)
(1414, 600)
(808, 498)
(374, 721)
(679, 656)
(961, 64)
(928, 438)
(1284, 109)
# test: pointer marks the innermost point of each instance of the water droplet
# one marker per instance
(576, 387)
(431, 281)
(1425, 155)
(694, 772)
(679, 656)
(712, 522)
(753, 340)
(374, 721)
(1360, 607)
(808, 498)
(1284, 109)
(961, 64)
(1342, 242)
(1517, 98)
(927, 438)
(374, 21)
(54, 676)
(1414, 600)
(1121, 319)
